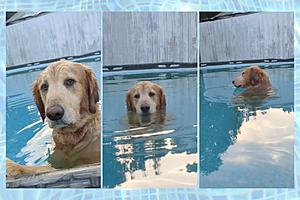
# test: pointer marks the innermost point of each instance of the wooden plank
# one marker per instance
(249, 37)
(149, 37)
(52, 36)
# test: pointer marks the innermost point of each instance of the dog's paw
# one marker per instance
(13, 169)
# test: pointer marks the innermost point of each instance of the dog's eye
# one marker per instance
(137, 96)
(69, 82)
(44, 87)
(151, 94)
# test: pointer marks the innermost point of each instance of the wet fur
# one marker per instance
(255, 80)
(156, 102)
(79, 142)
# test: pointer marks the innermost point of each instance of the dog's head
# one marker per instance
(65, 93)
(251, 76)
(145, 98)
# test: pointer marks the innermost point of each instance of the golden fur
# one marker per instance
(145, 97)
(252, 76)
(76, 135)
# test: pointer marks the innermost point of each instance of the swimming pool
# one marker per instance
(151, 155)
(28, 140)
(249, 143)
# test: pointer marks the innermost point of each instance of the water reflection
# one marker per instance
(246, 142)
(162, 172)
(155, 120)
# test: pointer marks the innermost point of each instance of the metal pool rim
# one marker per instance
(42, 65)
(237, 66)
(147, 71)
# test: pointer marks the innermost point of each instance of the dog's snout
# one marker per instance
(232, 82)
(55, 112)
(145, 108)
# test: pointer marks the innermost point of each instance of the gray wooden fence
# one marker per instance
(249, 37)
(52, 36)
(149, 37)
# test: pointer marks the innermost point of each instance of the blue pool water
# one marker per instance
(246, 143)
(143, 155)
(28, 140)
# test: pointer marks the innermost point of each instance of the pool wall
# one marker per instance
(41, 38)
(266, 35)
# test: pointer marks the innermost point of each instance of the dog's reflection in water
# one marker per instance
(155, 121)
(257, 99)
(146, 125)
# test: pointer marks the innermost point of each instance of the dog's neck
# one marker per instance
(76, 138)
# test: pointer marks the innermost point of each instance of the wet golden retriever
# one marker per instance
(255, 80)
(252, 76)
(145, 97)
(66, 95)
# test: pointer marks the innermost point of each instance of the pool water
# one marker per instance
(249, 143)
(28, 140)
(155, 151)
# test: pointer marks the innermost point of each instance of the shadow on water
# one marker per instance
(245, 137)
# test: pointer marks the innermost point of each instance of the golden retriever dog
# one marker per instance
(66, 95)
(253, 76)
(145, 98)
(255, 80)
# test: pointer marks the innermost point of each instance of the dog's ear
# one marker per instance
(92, 87)
(37, 99)
(255, 77)
(162, 98)
(129, 100)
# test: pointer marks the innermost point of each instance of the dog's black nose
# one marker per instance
(55, 112)
(145, 109)
(232, 82)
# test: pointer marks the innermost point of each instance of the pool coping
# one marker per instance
(79, 177)
(148, 71)
(154, 67)
(241, 65)
(41, 65)
(68, 57)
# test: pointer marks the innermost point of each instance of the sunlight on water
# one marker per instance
(168, 171)
(38, 148)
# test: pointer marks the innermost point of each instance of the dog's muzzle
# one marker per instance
(55, 112)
